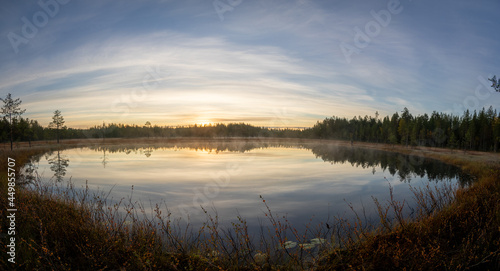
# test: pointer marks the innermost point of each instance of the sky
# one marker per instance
(268, 63)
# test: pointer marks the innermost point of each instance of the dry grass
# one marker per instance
(63, 228)
(463, 235)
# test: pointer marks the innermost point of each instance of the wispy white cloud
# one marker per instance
(186, 71)
(174, 63)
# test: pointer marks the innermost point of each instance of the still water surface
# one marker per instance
(299, 180)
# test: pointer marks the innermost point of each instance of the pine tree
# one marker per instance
(11, 111)
(57, 123)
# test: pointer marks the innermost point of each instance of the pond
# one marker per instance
(308, 182)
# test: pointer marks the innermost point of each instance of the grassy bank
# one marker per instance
(465, 235)
(56, 231)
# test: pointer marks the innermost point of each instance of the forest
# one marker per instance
(471, 131)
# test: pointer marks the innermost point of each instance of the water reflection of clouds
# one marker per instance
(293, 180)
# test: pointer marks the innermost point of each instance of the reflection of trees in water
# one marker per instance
(104, 158)
(58, 164)
(208, 146)
(405, 166)
(148, 151)
(30, 169)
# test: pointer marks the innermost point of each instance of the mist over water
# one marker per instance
(301, 181)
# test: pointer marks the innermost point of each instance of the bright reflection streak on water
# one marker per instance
(296, 180)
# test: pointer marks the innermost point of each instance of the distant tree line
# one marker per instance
(471, 131)
(28, 130)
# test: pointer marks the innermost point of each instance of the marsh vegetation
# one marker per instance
(87, 226)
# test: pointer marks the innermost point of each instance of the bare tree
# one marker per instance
(57, 123)
(11, 111)
(495, 83)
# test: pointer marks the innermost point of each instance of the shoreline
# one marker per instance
(442, 154)
(482, 165)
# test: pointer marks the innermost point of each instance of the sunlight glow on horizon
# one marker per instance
(204, 123)
(267, 64)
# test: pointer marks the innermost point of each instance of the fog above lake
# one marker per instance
(297, 179)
